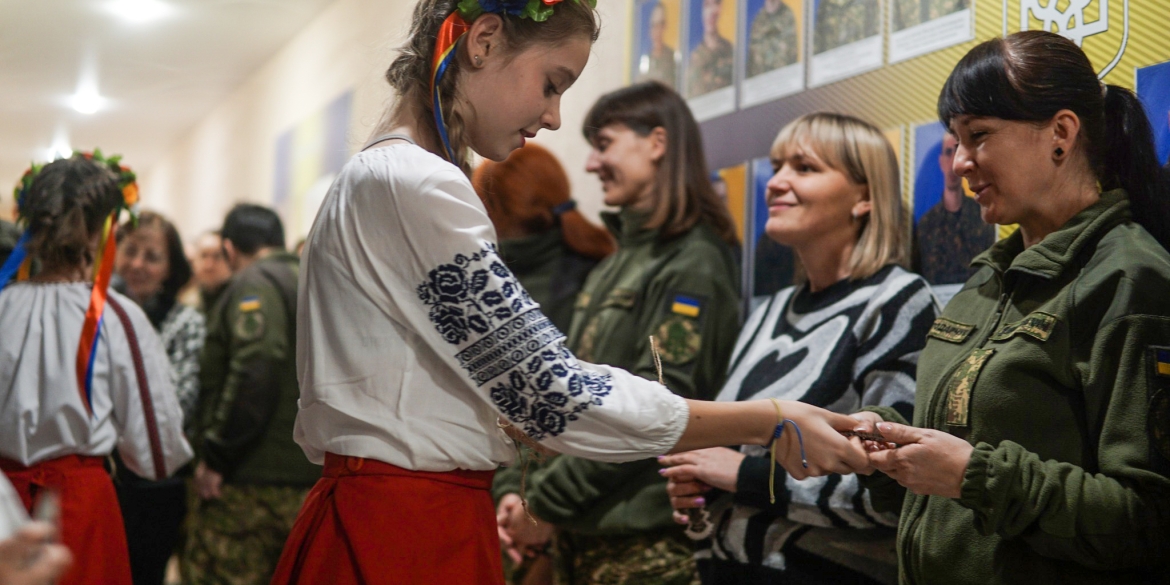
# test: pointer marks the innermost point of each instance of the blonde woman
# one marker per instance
(847, 337)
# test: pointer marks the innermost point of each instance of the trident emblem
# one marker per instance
(1070, 22)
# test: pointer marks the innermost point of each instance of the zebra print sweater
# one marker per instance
(851, 345)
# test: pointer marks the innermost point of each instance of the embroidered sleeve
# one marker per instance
(473, 312)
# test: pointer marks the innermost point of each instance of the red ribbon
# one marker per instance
(93, 315)
(449, 33)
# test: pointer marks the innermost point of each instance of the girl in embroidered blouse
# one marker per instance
(415, 343)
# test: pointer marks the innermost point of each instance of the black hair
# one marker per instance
(65, 205)
(1030, 76)
(251, 227)
(179, 270)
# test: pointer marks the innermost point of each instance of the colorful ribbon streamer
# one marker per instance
(91, 330)
(452, 30)
(17, 262)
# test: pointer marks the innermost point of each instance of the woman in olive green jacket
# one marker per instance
(1041, 439)
(673, 277)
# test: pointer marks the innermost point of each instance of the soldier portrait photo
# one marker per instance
(773, 38)
(658, 62)
(840, 22)
(908, 13)
(712, 57)
(951, 232)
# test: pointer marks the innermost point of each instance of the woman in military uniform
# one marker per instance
(1039, 451)
(673, 278)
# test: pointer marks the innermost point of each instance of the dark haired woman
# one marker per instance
(153, 268)
(414, 339)
(1039, 450)
(673, 277)
(55, 431)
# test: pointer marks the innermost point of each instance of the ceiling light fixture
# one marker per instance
(139, 11)
(87, 102)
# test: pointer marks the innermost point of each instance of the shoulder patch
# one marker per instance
(249, 303)
(951, 331)
(679, 339)
(684, 305)
(1161, 357)
(1038, 325)
(249, 325)
(1158, 416)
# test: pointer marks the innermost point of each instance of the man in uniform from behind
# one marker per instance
(251, 477)
(952, 232)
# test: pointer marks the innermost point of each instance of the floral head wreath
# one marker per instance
(457, 25)
(18, 262)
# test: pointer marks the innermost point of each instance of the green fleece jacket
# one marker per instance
(683, 291)
(1048, 363)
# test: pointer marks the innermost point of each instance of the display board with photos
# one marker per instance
(884, 61)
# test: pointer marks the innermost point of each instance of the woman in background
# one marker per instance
(153, 269)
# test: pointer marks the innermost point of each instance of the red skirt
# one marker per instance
(91, 521)
(372, 523)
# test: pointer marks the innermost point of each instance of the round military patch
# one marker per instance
(678, 340)
(249, 325)
(1159, 420)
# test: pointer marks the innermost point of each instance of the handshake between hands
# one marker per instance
(925, 461)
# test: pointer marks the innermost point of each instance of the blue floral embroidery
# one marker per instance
(477, 305)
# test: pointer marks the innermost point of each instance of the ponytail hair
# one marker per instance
(1030, 76)
(410, 73)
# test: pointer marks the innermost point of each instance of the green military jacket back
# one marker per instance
(248, 383)
(1052, 361)
(550, 271)
(685, 293)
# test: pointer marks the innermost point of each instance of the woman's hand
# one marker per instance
(207, 482)
(928, 463)
(694, 473)
(519, 536)
(30, 558)
(826, 449)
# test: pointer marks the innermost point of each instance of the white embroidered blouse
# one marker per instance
(42, 413)
(413, 338)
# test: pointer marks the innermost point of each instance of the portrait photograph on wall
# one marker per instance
(710, 62)
(657, 26)
(773, 55)
(948, 228)
(846, 39)
(772, 265)
(1153, 87)
(918, 27)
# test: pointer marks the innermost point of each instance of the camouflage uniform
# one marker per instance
(642, 559)
(840, 22)
(662, 67)
(682, 291)
(238, 538)
(772, 43)
(908, 13)
(247, 406)
(710, 69)
(947, 242)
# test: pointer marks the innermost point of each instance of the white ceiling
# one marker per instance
(159, 78)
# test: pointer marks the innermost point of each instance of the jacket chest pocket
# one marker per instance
(605, 326)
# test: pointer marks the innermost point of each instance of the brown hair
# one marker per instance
(410, 73)
(178, 267)
(683, 196)
(521, 192)
(1030, 76)
(860, 151)
(65, 205)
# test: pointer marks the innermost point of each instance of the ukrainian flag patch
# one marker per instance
(1162, 361)
(251, 303)
(686, 306)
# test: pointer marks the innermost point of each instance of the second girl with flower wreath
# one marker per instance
(413, 338)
